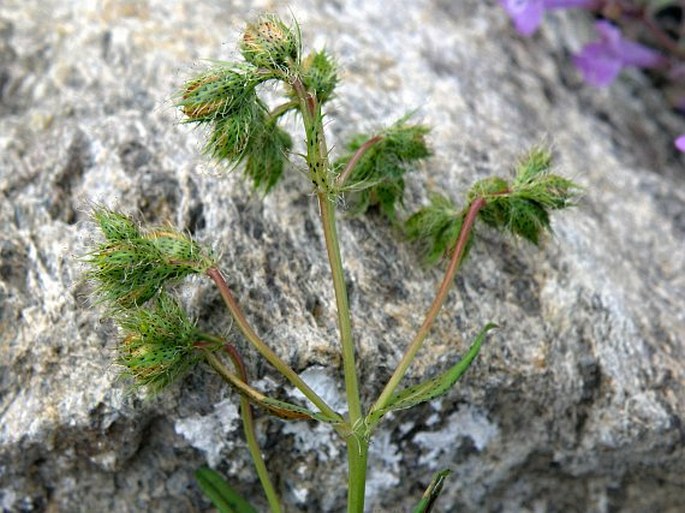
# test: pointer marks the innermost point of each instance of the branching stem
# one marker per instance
(349, 168)
(435, 307)
(248, 423)
(317, 160)
(262, 347)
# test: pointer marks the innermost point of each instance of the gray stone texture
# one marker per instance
(576, 403)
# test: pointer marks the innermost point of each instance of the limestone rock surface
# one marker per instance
(576, 403)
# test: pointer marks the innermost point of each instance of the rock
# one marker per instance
(580, 391)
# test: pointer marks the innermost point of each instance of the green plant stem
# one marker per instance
(435, 307)
(282, 109)
(357, 456)
(357, 444)
(327, 210)
(319, 160)
(261, 346)
(251, 436)
(248, 424)
(317, 156)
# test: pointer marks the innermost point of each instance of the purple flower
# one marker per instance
(527, 14)
(680, 143)
(600, 62)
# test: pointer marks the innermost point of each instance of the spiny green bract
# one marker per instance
(230, 137)
(253, 137)
(269, 43)
(537, 161)
(114, 225)
(534, 181)
(319, 74)
(219, 92)
(158, 344)
(378, 177)
(435, 228)
(178, 248)
(132, 265)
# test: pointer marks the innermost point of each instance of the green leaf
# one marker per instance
(435, 228)
(378, 176)
(290, 411)
(222, 495)
(434, 387)
(431, 494)
(267, 155)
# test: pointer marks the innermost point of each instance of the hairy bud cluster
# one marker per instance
(219, 93)
(132, 266)
(378, 176)
(271, 44)
(159, 343)
(523, 207)
(319, 75)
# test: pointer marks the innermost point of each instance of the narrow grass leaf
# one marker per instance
(430, 496)
(222, 495)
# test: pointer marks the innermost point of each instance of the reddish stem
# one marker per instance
(435, 307)
(342, 177)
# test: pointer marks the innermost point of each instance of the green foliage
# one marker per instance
(430, 496)
(378, 176)
(281, 409)
(222, 495)
(435, 228)
(132, 265)
(230, 137)
(523, 206)
(178, 249)
(537, 162)
(290, 411)
(267, 156)
(432, 388)
(158, 344)
(242, 130)
(251, 136)
(269, 43)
